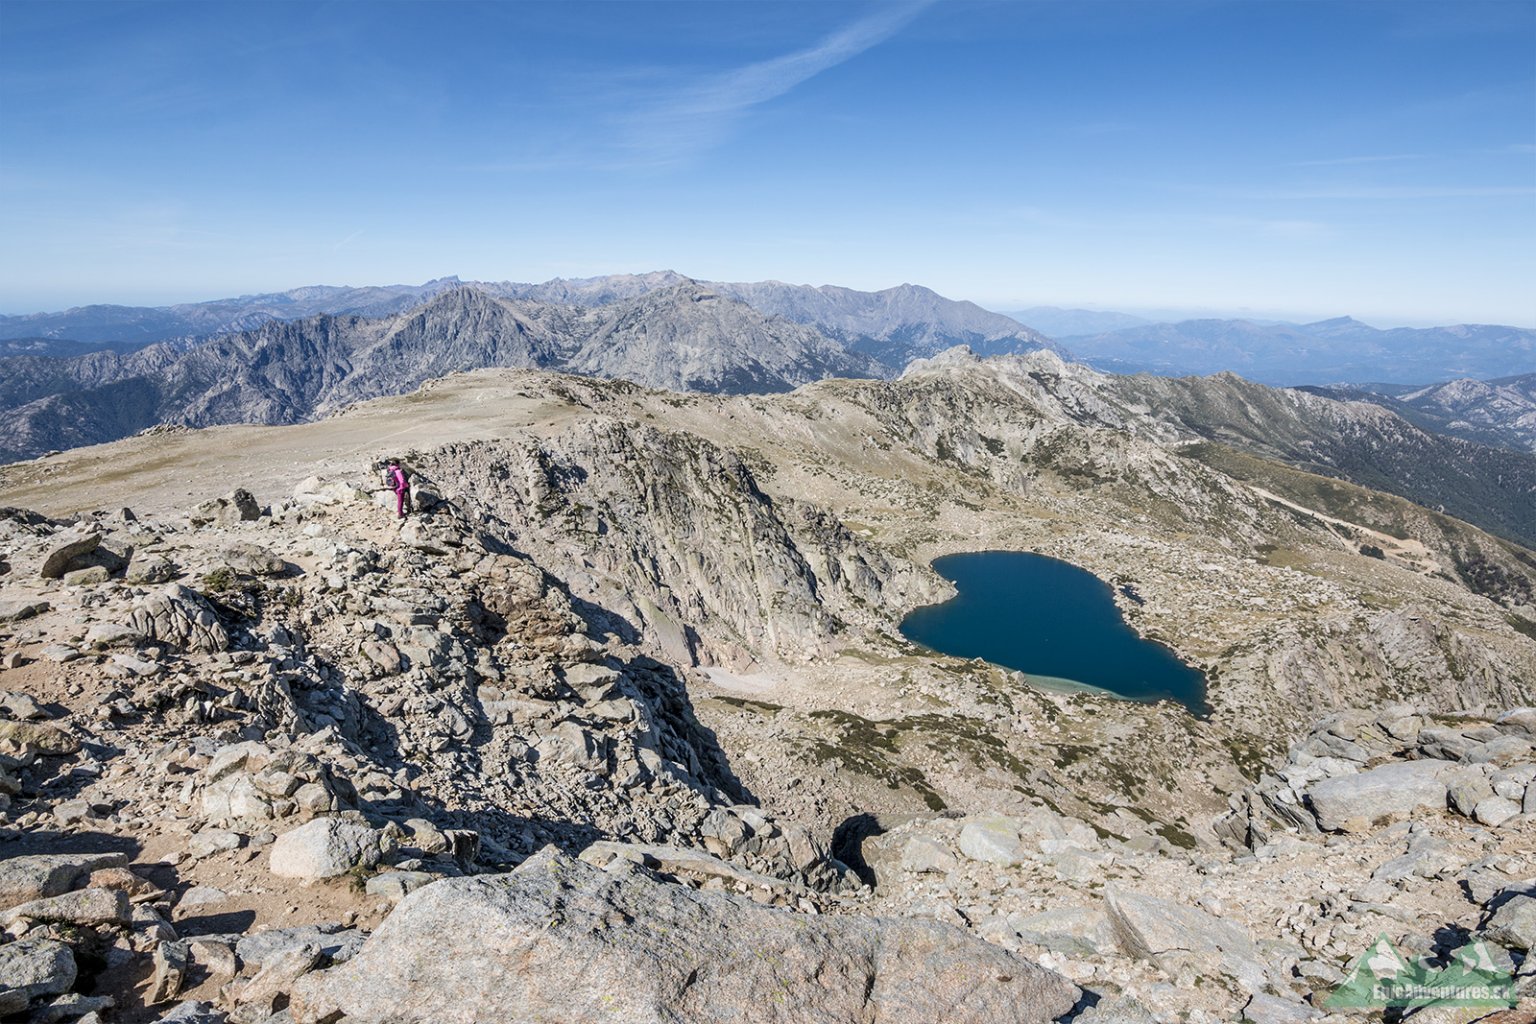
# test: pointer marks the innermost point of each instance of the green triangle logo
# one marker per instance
(1372, 977)
(1382, 977)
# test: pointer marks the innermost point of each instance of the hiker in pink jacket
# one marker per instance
(397, 479)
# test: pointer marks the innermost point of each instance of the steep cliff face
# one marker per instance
(894, 325)
(676, 534)
(692, 338)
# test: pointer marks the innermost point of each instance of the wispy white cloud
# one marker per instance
(687, 120)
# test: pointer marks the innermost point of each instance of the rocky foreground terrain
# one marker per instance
(619, 725)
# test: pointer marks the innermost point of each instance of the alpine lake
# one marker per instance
(1055, 623)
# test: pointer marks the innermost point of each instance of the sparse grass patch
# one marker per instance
(220, 580)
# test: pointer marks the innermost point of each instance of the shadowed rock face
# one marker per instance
(559, 940)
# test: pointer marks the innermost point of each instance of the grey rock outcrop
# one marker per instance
(39, 876)
(1150, 928)
(1514, 924)
(33, 967)
(324, 848)
(65, 548)
(181, 617)
(239, 506)
(1357, 802)
(563, 941)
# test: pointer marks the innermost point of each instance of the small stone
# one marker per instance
(253, 560)
(211, 841)
(237, 507)
(1267, 1009)
(90, 575)
(922, 854)
(21, 706)
(18, 610)
(1467, 789)
(334, 943)
(112, 634)
(199, 895)
(150, 569)
(257, 998)
(72, 811)
(1495, 811)
(1514, 924)
(397, 885)
(47, 739)
(193, 1012)
(218, 958)
(72, 1007)
(170, 964)
(37, 876)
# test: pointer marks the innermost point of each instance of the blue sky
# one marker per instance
(1304, 159)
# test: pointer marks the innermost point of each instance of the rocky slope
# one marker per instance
(1357, 441)
(658, 633)
(892, 326)
(1499, 412)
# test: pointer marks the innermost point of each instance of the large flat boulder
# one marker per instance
(1358, 803)
(1148, 928)
(65, 547)
(558, 941)
(39, 876)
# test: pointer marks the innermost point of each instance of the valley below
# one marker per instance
(635, 667)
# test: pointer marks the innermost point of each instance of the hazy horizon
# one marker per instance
(1161, 314)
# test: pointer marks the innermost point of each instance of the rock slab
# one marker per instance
(1355, 803)
(558, 940)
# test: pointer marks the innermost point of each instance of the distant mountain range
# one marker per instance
(127, 327)
(1329, 351)
(1499, 412)
(661, 330)
(1056, 322)
(668, 331)
(891, 326)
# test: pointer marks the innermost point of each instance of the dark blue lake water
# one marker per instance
(1049, 619)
